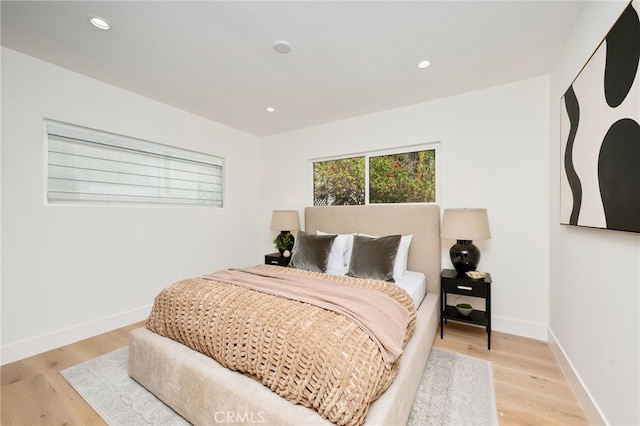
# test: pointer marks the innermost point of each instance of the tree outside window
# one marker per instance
(339, 182)
(408, 177)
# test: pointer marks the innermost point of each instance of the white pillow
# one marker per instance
(402, 256)
(340, 250)
(400, 265)
(349, 249)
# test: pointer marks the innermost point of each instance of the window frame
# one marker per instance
(376, 153)
(61, 133)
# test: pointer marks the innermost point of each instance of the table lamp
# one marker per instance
(465, 225)
(284, 221)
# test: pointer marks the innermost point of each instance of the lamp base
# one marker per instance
(284, 237)
(465, 256)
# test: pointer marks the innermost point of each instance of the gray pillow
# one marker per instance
(311, 252)
(374, 257)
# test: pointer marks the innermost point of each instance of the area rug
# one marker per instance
(455, 390)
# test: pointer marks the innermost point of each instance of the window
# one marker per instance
(400, 177)
(338, 182)
(93, 167)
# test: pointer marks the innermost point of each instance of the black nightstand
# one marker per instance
(276, 259)
(452, 283)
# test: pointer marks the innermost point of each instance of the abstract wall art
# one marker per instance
(600, 134)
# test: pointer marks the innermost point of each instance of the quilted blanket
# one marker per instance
(305, 353)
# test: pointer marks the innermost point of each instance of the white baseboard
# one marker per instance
(591, 411)
(528, 329)
(26, 348)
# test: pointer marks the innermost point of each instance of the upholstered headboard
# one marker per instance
(420, 220)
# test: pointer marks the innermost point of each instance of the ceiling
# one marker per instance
(216, 58)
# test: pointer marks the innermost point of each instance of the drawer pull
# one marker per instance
(274, 262)
(464, 287)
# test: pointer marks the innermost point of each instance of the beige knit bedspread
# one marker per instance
(306, 354)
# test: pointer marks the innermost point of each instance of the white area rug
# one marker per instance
(455, 390)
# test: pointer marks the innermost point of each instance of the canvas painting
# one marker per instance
(600, 134)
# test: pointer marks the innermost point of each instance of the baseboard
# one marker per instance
(29, 347)
(528, 329)
(583, 396)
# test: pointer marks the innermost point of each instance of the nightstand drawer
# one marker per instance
(276, 259)
(466, 287)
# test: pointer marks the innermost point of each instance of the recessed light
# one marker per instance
(270, 109)
(100, 23)
(423, 64)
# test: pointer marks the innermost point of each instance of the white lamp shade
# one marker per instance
(465, 224)
(285, 220)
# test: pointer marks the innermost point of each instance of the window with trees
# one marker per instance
(399, 177)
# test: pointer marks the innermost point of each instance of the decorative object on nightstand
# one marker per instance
(451, 282)
(464, 308)
(475, 275)
(284, 221)
(464, 226)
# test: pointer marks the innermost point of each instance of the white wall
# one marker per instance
(70, 272)
(594, 274)
(73, 272)
(494, 154)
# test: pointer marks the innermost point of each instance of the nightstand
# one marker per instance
(276, 259)
(452, 283)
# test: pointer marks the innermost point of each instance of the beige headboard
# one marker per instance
(420, 220)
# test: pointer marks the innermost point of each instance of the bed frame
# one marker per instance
(204, 392)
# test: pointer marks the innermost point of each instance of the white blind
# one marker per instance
(91, 166)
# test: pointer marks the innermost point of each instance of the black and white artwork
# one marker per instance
(600, 134)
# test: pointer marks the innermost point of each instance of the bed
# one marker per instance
(204, 392)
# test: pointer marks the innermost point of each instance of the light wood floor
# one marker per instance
(530, 387)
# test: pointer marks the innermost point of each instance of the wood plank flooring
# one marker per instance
(530, 387)
(34, 393)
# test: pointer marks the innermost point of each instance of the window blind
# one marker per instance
(94, 167)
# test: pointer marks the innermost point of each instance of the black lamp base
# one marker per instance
(284, 235)
(465, 256)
